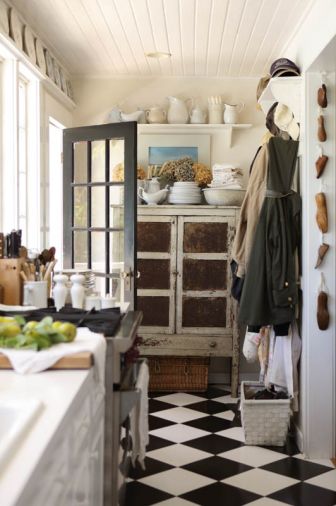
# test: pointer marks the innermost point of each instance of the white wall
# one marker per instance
(319, 347)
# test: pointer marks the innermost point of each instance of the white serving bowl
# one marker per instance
(223, 196)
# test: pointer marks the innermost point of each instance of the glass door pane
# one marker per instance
(80, 162)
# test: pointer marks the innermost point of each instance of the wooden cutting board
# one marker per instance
(83, 360)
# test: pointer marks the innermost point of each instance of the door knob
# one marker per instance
(125, 274)
(138, 274)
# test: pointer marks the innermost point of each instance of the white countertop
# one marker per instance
(56, 390)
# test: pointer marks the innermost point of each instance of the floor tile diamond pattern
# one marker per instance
(197, 456)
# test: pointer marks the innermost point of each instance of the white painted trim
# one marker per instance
(9, 145)
(318, 347)
(33, 164)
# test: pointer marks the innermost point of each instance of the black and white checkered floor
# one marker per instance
(197, 455)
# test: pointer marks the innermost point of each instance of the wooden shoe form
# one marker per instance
(321, 254)
(322, 96)
(322, 311)
(320, 164)
(321, 133)
(321, 212)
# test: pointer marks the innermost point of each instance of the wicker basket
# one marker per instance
(265, 422)
(178, 374)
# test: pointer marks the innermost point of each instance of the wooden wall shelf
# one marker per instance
(188, 128)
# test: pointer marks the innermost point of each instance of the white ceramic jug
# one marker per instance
(177, 111)
(156, 114)
(231, 112)
(197, 115)
(114, 115)
(153, 185)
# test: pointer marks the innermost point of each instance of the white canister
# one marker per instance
(92, 301)
(108, 301)
(60, 290)
(215, 114)
(35, 293)
(77, 290)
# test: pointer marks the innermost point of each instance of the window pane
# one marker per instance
(116, 195)
(80, 162)
(116, 250)
(117, 158)
(80, 206)
(22, 159)
(100, 285)
(116, 288)
(98, 251)
(98, 161)
(116, 216)
(22, 150)
(98, 206)
(22, 195)
(80, 250)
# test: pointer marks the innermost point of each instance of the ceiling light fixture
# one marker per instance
(158, 54)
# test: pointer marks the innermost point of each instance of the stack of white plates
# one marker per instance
(185, 192)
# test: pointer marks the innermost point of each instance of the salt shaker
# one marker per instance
(77, 290)
(60, 290)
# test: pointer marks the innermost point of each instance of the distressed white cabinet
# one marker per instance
(184, 286)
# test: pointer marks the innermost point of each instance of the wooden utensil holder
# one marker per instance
(11, 281)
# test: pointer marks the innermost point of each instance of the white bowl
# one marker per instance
(223, 196)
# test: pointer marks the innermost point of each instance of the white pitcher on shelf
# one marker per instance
(177, 111)
(231, 112)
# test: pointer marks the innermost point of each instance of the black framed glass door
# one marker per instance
(99, 205)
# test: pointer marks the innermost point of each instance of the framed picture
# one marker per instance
(155, 149)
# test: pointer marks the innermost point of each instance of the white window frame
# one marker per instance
(12, 71)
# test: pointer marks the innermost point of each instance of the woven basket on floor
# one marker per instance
(265, 422)
(178, 374)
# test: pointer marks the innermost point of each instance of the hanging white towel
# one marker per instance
(283, 361)
(139, 418)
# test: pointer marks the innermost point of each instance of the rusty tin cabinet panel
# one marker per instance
(204, 274)
(203, 302)
(154, 236)
(205, 237)
(157, 267)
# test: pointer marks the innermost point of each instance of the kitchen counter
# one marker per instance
(61, 434)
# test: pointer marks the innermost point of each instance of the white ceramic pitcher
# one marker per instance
(177, 111)
(231, 112)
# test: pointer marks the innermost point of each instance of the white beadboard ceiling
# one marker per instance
(213, 38)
